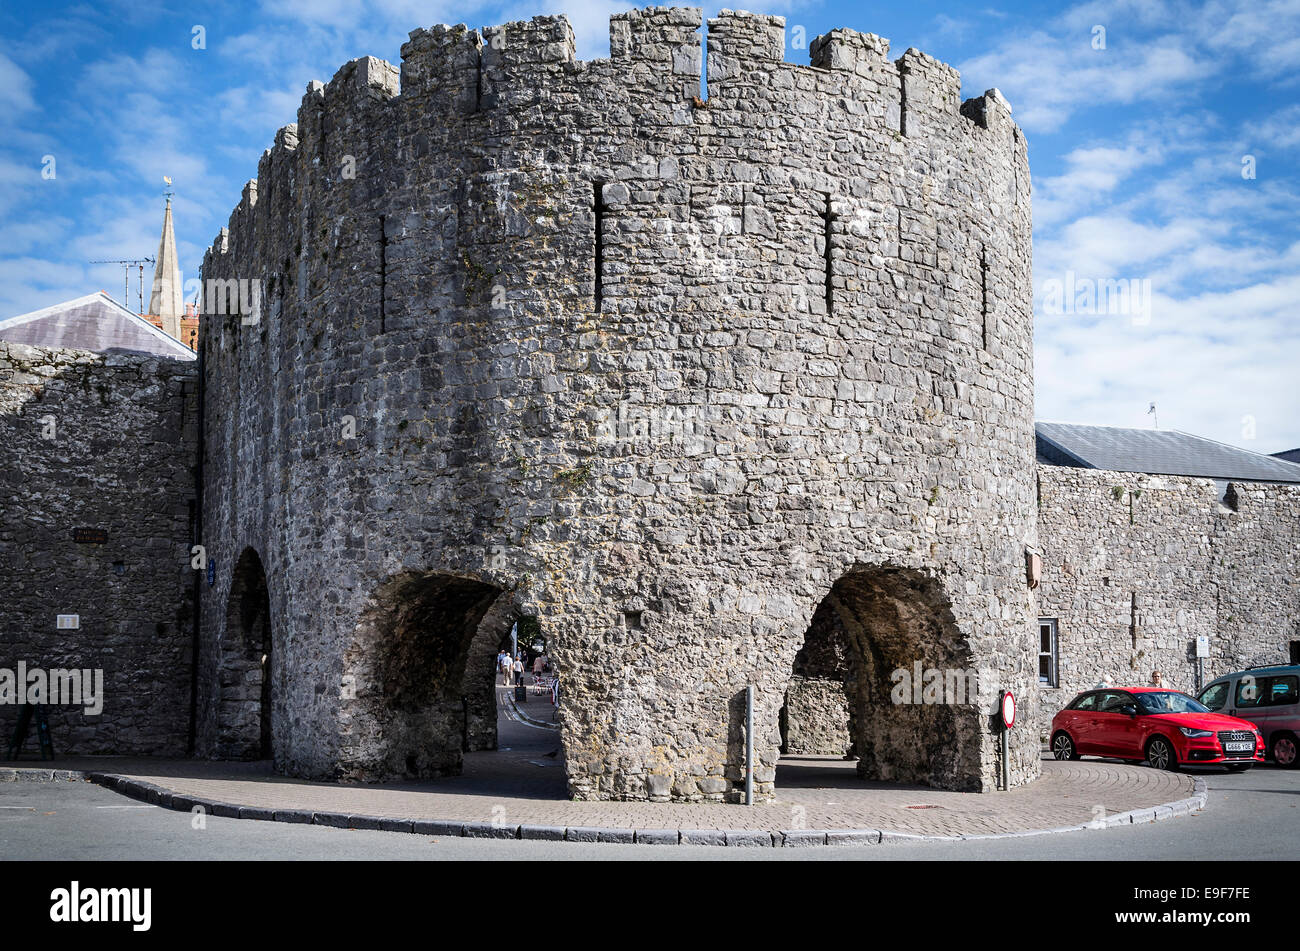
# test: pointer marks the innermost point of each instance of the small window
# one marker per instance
(1114, 701)
(1282, 691)
(1215, 695)
(1048, 674)
(1251, 690)
(1087, 702)
(1295, 652)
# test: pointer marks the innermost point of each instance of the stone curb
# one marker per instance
(526, 718)
(735, 838)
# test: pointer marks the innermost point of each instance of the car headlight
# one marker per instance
(1188, 731)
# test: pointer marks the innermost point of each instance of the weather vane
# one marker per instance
(168, 192)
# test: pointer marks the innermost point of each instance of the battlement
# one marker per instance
(366, 77)
(462, 94)
(442, 63)
(740, 42)
(656, 34)
(989, 111)
(458, 70)
(865, 54)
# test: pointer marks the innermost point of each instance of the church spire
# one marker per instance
(167, 299)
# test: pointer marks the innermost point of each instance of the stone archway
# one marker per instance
(409, 716)
(885, 670)
(244, 675)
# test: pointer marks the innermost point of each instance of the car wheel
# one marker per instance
(1239, 767)
(1160, 754)
(1283, 749)
(1063, 747)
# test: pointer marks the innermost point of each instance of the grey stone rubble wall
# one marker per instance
(121, 461)
(667, 572)
(1191, 566)
(817, 718)
(817, 711)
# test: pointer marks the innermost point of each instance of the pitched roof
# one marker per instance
(1156, 451)
(94, 322)
(1291, 455)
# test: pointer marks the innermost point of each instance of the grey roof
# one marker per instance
(1291, 455)
(1157, 451)
(94, 322)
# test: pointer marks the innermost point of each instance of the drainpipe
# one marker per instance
(197, 613)
(749, 745)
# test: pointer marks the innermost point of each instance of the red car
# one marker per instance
(1165, 728)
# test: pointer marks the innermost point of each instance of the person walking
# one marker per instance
(503, 667)
(518, 668)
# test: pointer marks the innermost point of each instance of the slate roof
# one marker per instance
(1291, 455)
(94, 322)
(1158, 452)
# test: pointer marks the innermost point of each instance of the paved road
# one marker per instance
(522, 783)
(1255, 815)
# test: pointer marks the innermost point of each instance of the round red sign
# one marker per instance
(1008, 709)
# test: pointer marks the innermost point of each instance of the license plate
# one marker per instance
(1239, 747)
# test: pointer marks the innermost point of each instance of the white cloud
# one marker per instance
(15, 89)
(1153, 51)
(1276, 132)
(1049, 76)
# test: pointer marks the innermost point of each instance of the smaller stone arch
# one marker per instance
(410, 717)
(478, 685)
(245, 681)
(906, 704)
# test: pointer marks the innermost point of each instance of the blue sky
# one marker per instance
(1164, 145)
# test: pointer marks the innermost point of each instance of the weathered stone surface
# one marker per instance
(667, 378)
(657, 836)
(1136, 567)
(108, 442)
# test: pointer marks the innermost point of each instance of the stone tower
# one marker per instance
(562, 339)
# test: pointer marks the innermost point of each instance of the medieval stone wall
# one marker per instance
(102, 442)
(658, 371)
(1136, 567)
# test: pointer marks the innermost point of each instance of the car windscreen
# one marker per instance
(1169, 701)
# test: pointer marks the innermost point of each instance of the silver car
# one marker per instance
(1269, 697)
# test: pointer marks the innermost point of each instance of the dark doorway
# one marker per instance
(246, 681)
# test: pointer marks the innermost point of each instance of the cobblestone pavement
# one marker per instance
(521, 784)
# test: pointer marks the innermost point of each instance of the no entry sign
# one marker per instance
(1007, 708)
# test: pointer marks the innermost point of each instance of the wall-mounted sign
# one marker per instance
(1033, 568)
(212, 572)
(1007, 709)
(67, 622)
(1203, 645)
(90, 536)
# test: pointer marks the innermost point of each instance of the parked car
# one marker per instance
(1268, 697)
(1165, 728)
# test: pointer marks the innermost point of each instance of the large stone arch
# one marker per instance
(873, 633)
(245, 679)
(405, 711)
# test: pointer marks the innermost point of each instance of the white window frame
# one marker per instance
(1054, 656)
